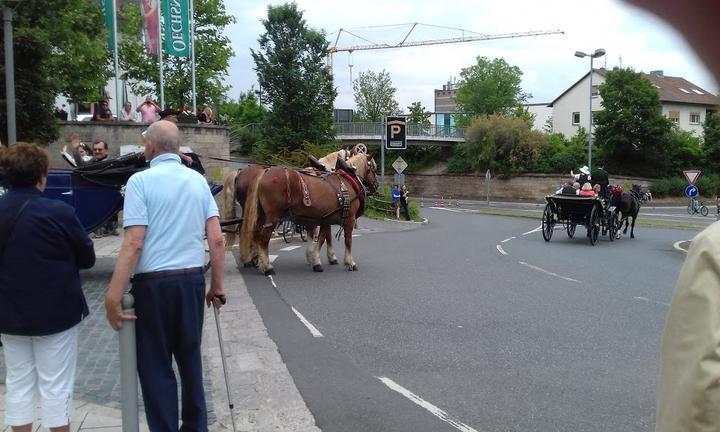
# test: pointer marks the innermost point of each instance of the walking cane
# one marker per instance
(222, 356)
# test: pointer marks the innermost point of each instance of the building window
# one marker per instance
(595, 91)
(576, 118)
(674, 116)
(694, 118)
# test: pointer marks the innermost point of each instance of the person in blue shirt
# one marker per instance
(396, 200)
(168, 212)
(42, 246)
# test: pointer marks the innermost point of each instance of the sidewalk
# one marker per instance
(263, 393)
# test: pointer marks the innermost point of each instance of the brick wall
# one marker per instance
(213, 141)
(528, 187)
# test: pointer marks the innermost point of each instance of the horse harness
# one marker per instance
(341, 191)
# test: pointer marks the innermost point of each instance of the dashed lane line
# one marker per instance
(507, 239)
(501, 250)
(289, 248)
(548, 272)
(677, 246)
(313, 330)
(437, 412)
(535, 230)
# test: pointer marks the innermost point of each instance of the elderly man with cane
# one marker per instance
(168, 212)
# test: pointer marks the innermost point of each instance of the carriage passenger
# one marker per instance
(587, 190)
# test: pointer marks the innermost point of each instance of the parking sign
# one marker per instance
(395, 136)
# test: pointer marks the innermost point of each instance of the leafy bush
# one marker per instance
(671, 186)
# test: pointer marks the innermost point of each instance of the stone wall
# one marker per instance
(206, 141)
(528, 187)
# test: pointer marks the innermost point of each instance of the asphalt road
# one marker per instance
(474, 323)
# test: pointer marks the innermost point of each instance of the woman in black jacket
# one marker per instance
(42, 246)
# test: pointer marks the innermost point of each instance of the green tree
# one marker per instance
(212, 57)
(418, 114)
(244, 117)
(374, 96)
(490, 87)
(293, 75)
(711, 142)
(58, 49)
(631, 130)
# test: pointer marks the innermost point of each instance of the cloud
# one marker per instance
(631, 37)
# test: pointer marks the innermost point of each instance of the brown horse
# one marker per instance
(334, 199)
(235, 188)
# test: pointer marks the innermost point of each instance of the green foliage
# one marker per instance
(58, 49)
(244, 118)
(711, 144)
(291, 69)
(418, 114)
(671, 186)
(684, 150)
(490, 87)
(374, 96)
(631, 130)
(505, 145)
(212, 57)
(418, 157)
(709, 184)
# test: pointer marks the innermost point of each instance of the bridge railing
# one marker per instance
(413, 130)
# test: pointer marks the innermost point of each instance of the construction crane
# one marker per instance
(404, 43)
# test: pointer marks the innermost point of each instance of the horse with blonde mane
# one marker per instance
(333, 199)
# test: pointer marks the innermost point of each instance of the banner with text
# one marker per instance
(107, 6)
(176, 14)
(151, 25)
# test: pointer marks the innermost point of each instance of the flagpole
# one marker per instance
(160, 55)
(192, 54)
(115, 58)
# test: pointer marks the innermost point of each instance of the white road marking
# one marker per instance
(501, 250)
(437, 412)
(356, 235)
(272, 258)
(535, 230)
(313, 331)
(677, 244)
(642, 298)
(272, 281)
(645, 299)
(289, 248)
(507, 239)
(548, 272)
(446, 209)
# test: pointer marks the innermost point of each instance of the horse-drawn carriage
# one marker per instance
(597, 214)
(96, 190)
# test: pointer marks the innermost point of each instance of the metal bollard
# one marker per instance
(128, 369)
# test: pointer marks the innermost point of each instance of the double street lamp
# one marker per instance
(598, 53)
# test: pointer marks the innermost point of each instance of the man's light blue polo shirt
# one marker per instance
(173, 202)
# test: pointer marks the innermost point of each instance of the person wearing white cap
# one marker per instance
(583, 176)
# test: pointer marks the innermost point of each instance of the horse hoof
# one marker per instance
(354, 267)
(333, 262)
(270, 272)
(317, 268)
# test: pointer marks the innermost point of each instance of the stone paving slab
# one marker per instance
(263, 393)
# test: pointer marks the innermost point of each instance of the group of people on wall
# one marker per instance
(147, 112)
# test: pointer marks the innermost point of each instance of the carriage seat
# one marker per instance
(316, 163)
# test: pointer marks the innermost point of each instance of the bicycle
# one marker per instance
(696, 206)
(289, 228)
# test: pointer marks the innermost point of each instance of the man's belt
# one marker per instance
(165, 273)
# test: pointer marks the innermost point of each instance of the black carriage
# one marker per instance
(572, 210)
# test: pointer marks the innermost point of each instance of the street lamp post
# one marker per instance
(9, 71)
(598, 53)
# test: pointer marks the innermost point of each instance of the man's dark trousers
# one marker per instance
(169, 324)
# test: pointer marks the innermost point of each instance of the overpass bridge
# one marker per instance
(417, 134)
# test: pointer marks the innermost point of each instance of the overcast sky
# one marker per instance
(631, 37)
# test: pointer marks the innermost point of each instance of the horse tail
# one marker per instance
(229, 190)
(250, 216)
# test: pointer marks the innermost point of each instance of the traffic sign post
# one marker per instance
(488, 176)
(396, 137)
(399, 165)
(692, 175)
(692, 191)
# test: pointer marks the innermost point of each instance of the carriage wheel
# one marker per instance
(594, 224)
(303, 233)
(613, 225)
(570, 228)
(704, 211)
(548, 222)
(288, 228)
